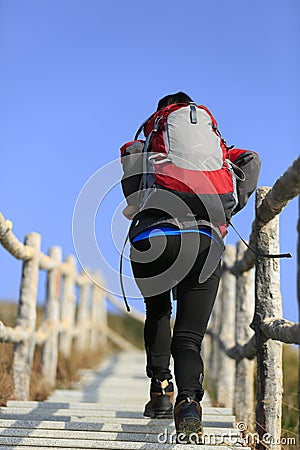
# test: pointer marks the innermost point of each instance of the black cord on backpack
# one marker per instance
(121, 273)
(260, 255)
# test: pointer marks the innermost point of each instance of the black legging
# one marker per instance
(194, 304)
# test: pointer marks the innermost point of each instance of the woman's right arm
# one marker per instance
(249, 162)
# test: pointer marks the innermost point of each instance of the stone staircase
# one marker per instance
(104, 411)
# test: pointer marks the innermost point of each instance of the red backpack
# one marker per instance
(189, 157)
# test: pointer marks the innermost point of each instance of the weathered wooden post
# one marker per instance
(99, 314)
(83, 319)
(206, 356)
(244, 376)
(269, 353)
(50, 348)
(24, 351)
(214, 355)
(68, 307)
(225, 385)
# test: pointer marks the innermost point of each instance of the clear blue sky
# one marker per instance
(77, 78)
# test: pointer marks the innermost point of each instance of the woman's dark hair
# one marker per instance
(179, 97)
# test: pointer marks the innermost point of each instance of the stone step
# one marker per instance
(122, 418)
(93, 393)
(209, 412)
(37, 443)
(142, 385)
(132, 436)
(107, 402)
(34, 405)
(111, 393)
(107, 398)
(119, 368)
(100, 397)
(82, 398)
(155, 426)
(94, 398)
(114, 379)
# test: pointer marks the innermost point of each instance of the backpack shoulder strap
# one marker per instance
(214, 122)
(142, 127)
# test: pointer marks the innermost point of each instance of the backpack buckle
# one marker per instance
(193, 113)
(156, 123)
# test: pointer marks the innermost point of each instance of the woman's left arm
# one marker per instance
(132, 163)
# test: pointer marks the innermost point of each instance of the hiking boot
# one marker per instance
(188, 421)
(160, 405)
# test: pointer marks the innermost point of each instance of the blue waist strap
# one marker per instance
(169, 231)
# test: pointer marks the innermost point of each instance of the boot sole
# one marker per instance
(159, 413)
(163, 415)
(163, 409)
(190, 430)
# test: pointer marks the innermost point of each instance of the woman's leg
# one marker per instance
(195, 301)
(157, 332)
(157, 336)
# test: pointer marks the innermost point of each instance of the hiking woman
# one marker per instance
(182, 185)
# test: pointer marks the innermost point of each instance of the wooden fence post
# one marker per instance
(50, 348)
(99, 315)
(83, 319)
(226, 378)
(214, 354)
(269, 353)
(244, 376)
(24, 351)
(206, 352)
(68, 308)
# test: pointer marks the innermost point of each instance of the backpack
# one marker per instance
(185, 154)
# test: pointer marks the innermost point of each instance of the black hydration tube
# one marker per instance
(121, 273)
(260, 255)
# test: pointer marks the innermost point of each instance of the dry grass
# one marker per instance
(128, 327)
(68, 372)
(6, 380)
(38, 390)
(290, 412)
(68, 369)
